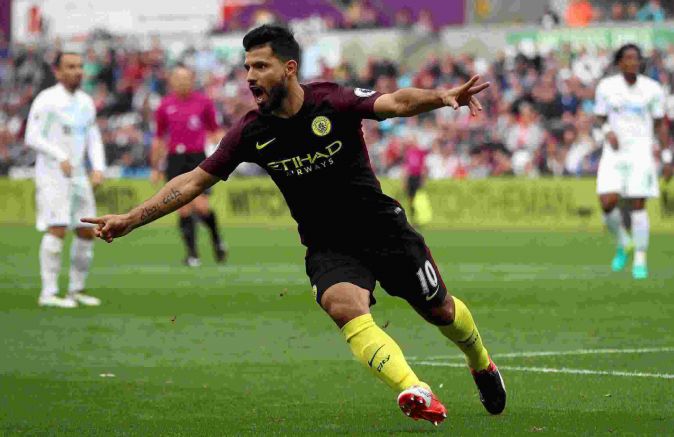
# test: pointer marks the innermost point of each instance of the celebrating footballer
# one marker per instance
(308, 138)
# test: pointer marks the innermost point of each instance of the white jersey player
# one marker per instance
(630, 107)
(62, 129)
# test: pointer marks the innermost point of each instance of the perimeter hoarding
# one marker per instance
(613, 37)
(555, 204)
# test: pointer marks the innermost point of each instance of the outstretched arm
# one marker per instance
(408, 102)
(176, 193)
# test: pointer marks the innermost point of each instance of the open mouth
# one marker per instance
(258, 93)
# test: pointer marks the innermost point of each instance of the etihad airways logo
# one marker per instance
(309, 162)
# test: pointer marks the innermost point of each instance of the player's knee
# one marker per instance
(185, 211)
(201, 205)
(85, 233)
(441, 315)
(202, 210)
(344, 302)
(608, 204)
(638, 204)
(58, 231)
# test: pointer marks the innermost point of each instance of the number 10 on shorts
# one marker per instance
(427, 275)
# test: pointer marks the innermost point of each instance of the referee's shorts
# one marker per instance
(179, 163)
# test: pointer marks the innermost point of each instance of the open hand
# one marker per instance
(464, 95)
(110, 226)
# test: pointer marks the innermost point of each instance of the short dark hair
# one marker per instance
(59, 56)
(182, 66)
(621, 52)
(280, 39)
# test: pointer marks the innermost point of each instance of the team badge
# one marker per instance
(363, 92)
(321, 126)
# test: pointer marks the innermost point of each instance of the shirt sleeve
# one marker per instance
(657, 103)
(95, 149)
(161, 120)
(600, 100)
(40, 121)
(229, 154)
(210, 120)
(357, 101)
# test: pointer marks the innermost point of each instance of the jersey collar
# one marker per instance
(64, 91)
(627, 84)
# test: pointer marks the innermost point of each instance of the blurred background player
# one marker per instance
(630, 107)
(187, 118)
(415, 174)
(62, 128)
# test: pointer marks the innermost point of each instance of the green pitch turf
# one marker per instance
(244, 349)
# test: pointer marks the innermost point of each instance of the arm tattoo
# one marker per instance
(173, 195)
(150, 213)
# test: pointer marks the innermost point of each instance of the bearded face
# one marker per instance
(267, 78)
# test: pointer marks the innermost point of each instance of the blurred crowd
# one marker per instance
(367, 14)
(337, 14)
(536, 119)
(579, 13)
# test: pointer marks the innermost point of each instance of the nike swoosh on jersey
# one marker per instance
(262, 146)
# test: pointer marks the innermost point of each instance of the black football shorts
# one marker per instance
(179, 163)
(401, 262)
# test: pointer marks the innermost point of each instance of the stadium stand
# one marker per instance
(536, 119)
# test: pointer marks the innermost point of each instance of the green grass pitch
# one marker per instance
(244, 349)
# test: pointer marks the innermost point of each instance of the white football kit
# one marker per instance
(62, 126)
(630, 171)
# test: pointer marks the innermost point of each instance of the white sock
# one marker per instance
(50, 264)
(641, 231)
(615, 225)
(81, 254)
(639, 257)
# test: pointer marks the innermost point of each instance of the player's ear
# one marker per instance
(291, 67)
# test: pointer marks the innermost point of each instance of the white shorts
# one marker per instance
(64, 204)
(628, 176)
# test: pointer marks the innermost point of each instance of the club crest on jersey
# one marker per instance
(363, 92)
(321, 126)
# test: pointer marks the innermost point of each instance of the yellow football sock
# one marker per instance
(374, 348)
(464, 334)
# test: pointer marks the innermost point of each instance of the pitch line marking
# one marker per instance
(532, 354)
(565, 370)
